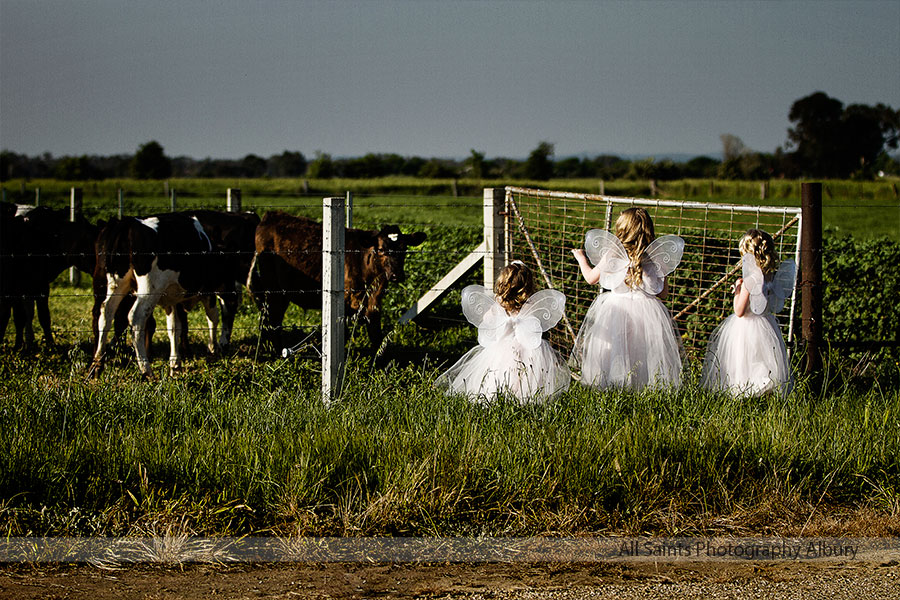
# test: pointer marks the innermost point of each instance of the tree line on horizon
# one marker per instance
(827, 139)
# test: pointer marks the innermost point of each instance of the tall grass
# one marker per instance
(240, 448)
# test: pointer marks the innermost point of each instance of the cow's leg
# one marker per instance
(5, 312)
(373, 327)
(116, 289)
(42, 302)
(173, 321)
(211, 306)
(273, 319)
(26, 336)
(143, 308)
(231, 300)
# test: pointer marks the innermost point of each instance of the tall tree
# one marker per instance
(832, 141)
(150, 162)
(539, 165)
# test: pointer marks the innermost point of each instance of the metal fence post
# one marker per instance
(333, 235)
(349, 209)
(75, 205)
(494, 234)
(811, 274)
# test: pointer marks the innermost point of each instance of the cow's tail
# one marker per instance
(253, 275)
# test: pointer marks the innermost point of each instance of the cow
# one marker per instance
(165, 259)
(38, 244)
(232, 238)
(287, 267)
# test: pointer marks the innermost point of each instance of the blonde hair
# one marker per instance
(514, 286)
(761, 245)
(634, 228)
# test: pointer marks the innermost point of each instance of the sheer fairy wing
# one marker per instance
(541, 312)
(604, 249)
(660, 259)
(481, 309)
(753, 281)
(782, 285)
(477, 300)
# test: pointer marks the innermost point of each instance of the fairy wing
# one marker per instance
(660, 259)
(481, 309)
(605, 250)
(753, 281)
(781, 286)
(541, 312)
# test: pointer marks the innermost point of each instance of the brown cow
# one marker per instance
(287, 268)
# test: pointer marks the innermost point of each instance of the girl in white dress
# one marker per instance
(746, 353)
(511, 357)
(628, 338)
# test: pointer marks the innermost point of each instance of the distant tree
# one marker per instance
(436, 168)
(150, 162)
(412, 166)
(253, 166)
(474, 165)
(701, 167)
(607, 166)
(287, 164)
(833, 141)
(569, 168)
(539, 165)
(649, 168)
(322, 167)
(75, 168)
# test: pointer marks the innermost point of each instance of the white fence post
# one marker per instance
(233, 200)
(349, 209)
(333, 234)
(494, 234)
(75, 205)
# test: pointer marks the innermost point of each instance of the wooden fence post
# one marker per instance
(173, 200)
(120, 196)
(333, 234)
(233, 200)
(37, 196)
(811, 275)
(494, 234)
(75, 205)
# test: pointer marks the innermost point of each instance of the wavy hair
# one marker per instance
(514, 286)
(634, 228)
(761, 245)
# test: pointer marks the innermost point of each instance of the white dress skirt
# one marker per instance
(628, 340)
(747, 356)
(507, 367)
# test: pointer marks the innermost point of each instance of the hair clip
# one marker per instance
(517, 262)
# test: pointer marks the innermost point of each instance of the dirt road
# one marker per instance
(739, 580)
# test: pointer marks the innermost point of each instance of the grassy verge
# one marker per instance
(239, 447)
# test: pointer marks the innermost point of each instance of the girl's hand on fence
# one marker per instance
(579, 255)
(736, 288)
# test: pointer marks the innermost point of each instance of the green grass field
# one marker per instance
(243, 444)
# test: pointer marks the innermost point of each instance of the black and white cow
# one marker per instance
(164, 260)
(232, 238)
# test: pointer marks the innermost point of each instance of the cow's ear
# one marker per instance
(414, 239)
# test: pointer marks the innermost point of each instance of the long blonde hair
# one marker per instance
(634, 228)
(761, 245)
(514, 286)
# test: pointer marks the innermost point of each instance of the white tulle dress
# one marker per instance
(628, 338)
(511, 357)
(746, 355)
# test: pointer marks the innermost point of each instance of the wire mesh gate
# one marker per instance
(544, 226)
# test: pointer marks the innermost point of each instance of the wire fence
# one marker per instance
(548, 225)
(700, 295)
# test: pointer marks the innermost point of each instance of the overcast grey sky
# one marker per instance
(228, 78)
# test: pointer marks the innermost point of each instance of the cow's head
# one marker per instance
(389, 251)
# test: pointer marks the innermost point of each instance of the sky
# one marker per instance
(224, 78)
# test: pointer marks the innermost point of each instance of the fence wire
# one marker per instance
(544, 227)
